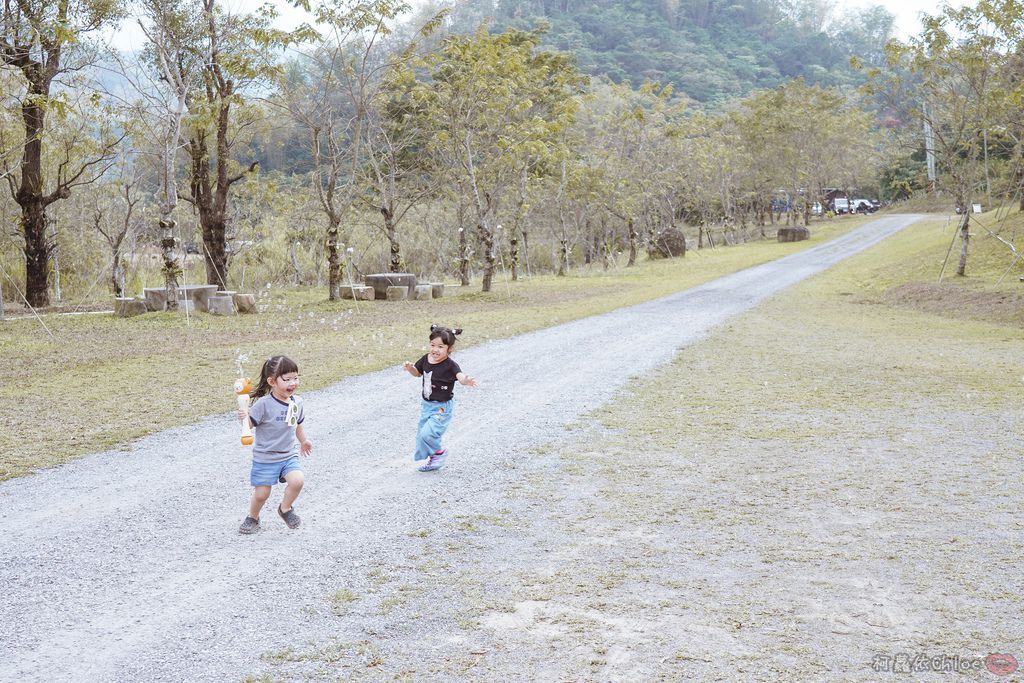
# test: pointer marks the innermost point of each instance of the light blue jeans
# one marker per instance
(434, 420)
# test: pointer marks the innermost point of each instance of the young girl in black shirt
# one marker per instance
(439, 373)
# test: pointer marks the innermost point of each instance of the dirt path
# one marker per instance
(128, 566)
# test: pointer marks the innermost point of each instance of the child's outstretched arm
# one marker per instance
(305, 445)
(466, 379)
(411, 369)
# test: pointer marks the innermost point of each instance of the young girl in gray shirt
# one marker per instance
(277, 417)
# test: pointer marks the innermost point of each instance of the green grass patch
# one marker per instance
(909, 271)
(818, 352)
(341, 600)
(109, 381)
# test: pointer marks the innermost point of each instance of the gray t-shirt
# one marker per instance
(275, 423)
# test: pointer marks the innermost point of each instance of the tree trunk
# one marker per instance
(517, 224)
(487, 241)
(526, 251)
(214, 251)
(965, 237)
(116, 280)
(514, 257)
(333, 262)
(37, 254)
(171, 270)
(30, 196)
(295, 262)
(608, 245)
(56, 271)
(395, 265)
(211, 195)
(632, 243)
(463, 246)
(563, 252)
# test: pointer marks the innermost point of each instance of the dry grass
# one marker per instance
(819, 481)
(912, 271)
(788, 498)
(107, 381)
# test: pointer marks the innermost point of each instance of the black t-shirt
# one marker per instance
(438, 380)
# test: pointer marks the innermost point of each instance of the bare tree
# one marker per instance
(115, 216)
(168, 71)
(357, 156)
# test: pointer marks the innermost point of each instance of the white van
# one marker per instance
(841, 205)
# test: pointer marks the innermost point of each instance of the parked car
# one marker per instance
(839, 205)
(816, 209)
(864, 206)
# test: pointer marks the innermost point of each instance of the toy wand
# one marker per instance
(242, 388)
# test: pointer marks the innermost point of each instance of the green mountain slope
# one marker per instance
(712, 51)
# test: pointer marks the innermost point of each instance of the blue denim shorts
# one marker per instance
(270, 473)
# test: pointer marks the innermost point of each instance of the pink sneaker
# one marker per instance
(435, 462)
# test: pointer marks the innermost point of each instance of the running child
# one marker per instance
(439, 373)
(276, 415)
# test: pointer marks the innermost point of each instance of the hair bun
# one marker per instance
(457, 331)
(434, 327)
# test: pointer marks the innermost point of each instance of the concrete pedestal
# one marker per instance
(155, 298)
(221, 304)
(125, 307)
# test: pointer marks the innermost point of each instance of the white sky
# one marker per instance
(907, 14)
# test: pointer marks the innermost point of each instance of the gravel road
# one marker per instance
(127, 565)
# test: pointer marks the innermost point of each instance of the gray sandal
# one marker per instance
(290, 518)
(249, 526)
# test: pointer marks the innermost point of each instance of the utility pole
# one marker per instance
(988, 180)
(929, 147)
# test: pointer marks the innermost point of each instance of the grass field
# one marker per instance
(822, 483)
(103, 381)
(837, 459)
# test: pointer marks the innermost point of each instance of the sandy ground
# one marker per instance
(514, 562)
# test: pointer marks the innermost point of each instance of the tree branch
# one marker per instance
(235, 179)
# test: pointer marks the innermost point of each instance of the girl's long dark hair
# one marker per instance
(275, 366)
(447, 335)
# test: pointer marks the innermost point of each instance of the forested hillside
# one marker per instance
(711, 51)
(451, 140)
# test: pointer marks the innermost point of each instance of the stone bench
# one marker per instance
(358, 292)
(437, 290)
(423, 293)
(397, 293)
(221, 304)
(155, 298)
(125, 307)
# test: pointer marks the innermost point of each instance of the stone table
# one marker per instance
(381, 281)
(198, 294)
